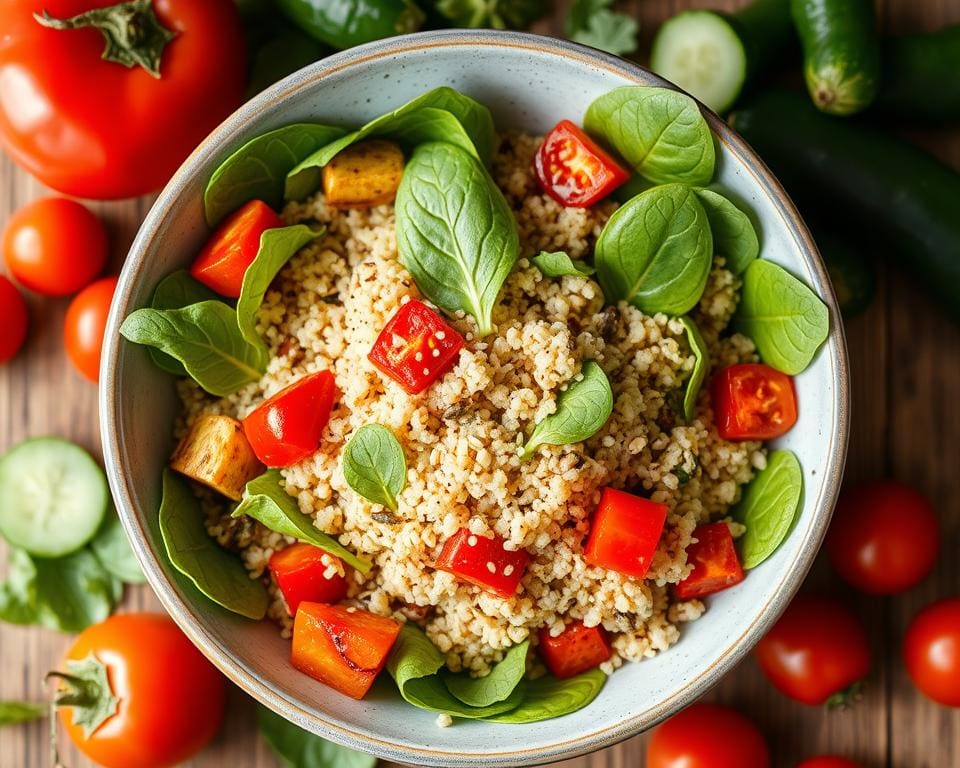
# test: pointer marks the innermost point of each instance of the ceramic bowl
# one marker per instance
(529, 82)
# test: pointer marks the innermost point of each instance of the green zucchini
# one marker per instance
(852, 274)
(841, 52)
(888, 190)
(714, 55)
(921, 76)
(343, 24)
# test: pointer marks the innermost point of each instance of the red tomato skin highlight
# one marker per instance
(299, 572)
(752, 401)
(55, 246)
(286, 428)
(707, 736)
(716, 565)
(884, 538)
(85, 324)
(624, 533)
(575, 650)
(469, 557)
(829, 761)
(567, 150)
(931, 651)
(14, 320)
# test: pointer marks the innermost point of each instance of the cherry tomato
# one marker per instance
(84, 326)
(575, 650)
(829, 761)
(884, 538)
(817, 651)
(752, 401)
(170, 698)
(95, 128)
(300, 571)
(13, 320)
(483, 561)
(573, 169)
(707, 736)
(55, 246)
(716, 565)
(931, 651)
(624, 533)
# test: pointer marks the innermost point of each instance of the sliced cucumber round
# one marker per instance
(702, 53)
(53, 496)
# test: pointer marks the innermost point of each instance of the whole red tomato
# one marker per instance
(707, 736)
(169, 698)
(829, 761)
(884, 538)
(931, 651)
(96, 128)
(817, 651)
(13, 320)
(84, 326)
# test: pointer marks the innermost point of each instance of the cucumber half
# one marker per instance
(702, 53)
(53, 496)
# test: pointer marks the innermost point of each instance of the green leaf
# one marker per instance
(455, 231)
(547, 697)
(497, 686)
(768, 507)
(176, 291)
(492, 14)
(734, 237)
(217, 573)
(297, 748)
(265, 500)
(655, 252)
(701, 367)
(258, 170)
(591, 22)
(374, 465)
(659, 131)
(14, 712)
(785, 319)
(582, 410)
(113, 550)
(559, 264)
(205, 338)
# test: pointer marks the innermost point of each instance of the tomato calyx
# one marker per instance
(132, 31)
(847, 697)
(85, 688)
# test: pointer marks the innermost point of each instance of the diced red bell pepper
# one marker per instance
(483, 561)
(752, 401)
(575, 650)
(342, 647)
(416, 347)
(624, 533)
(223, 261)
(300, 573)
(573, 169)
(715, 563)
(286, 428)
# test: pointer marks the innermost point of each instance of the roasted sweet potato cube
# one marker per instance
(215, 452)
(363, 175)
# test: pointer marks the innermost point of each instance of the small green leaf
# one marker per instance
(374, 465)
(582, 410)
(701, 367)
(265, 501)
(547, 697)
(297, 748)
(176, 291)
(591, 22)
(734, 237)
(113, 550)
(15, 712)
(768, 507)
(495, 687)
(559, 264)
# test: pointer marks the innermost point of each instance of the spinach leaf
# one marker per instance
(559, 264)
(701, 367)
(265, 501)
(655, 252)
(374, 465)
(591, 22)
(258, 169)
(548, 697)
(734, 237)
(582, 410)
(497, 686)
(217, 573)
(277, 246)
(205, 338)
(176, 291)
(659, 131)
(14, 712)
(785, 319)
(113, 550)
(297, 748)
(768, 506)
(455, 232)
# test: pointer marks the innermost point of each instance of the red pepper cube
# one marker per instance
(752, 401)
(624, 533)
(574, 170)
(483, 561)
(715, 563)
(342, 647)
(575, 650)
(286, 428)
(416, 347)
(300, 572)
(223, 261)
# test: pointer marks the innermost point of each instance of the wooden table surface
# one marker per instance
(906, 424)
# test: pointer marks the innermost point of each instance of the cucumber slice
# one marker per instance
(53, 496)
(702, 53)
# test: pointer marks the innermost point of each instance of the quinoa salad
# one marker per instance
(483, 409)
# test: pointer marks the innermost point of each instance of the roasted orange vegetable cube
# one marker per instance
(363, 175)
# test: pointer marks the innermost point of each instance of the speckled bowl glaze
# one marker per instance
(529, 82)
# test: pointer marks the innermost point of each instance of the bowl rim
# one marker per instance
(112, 432)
